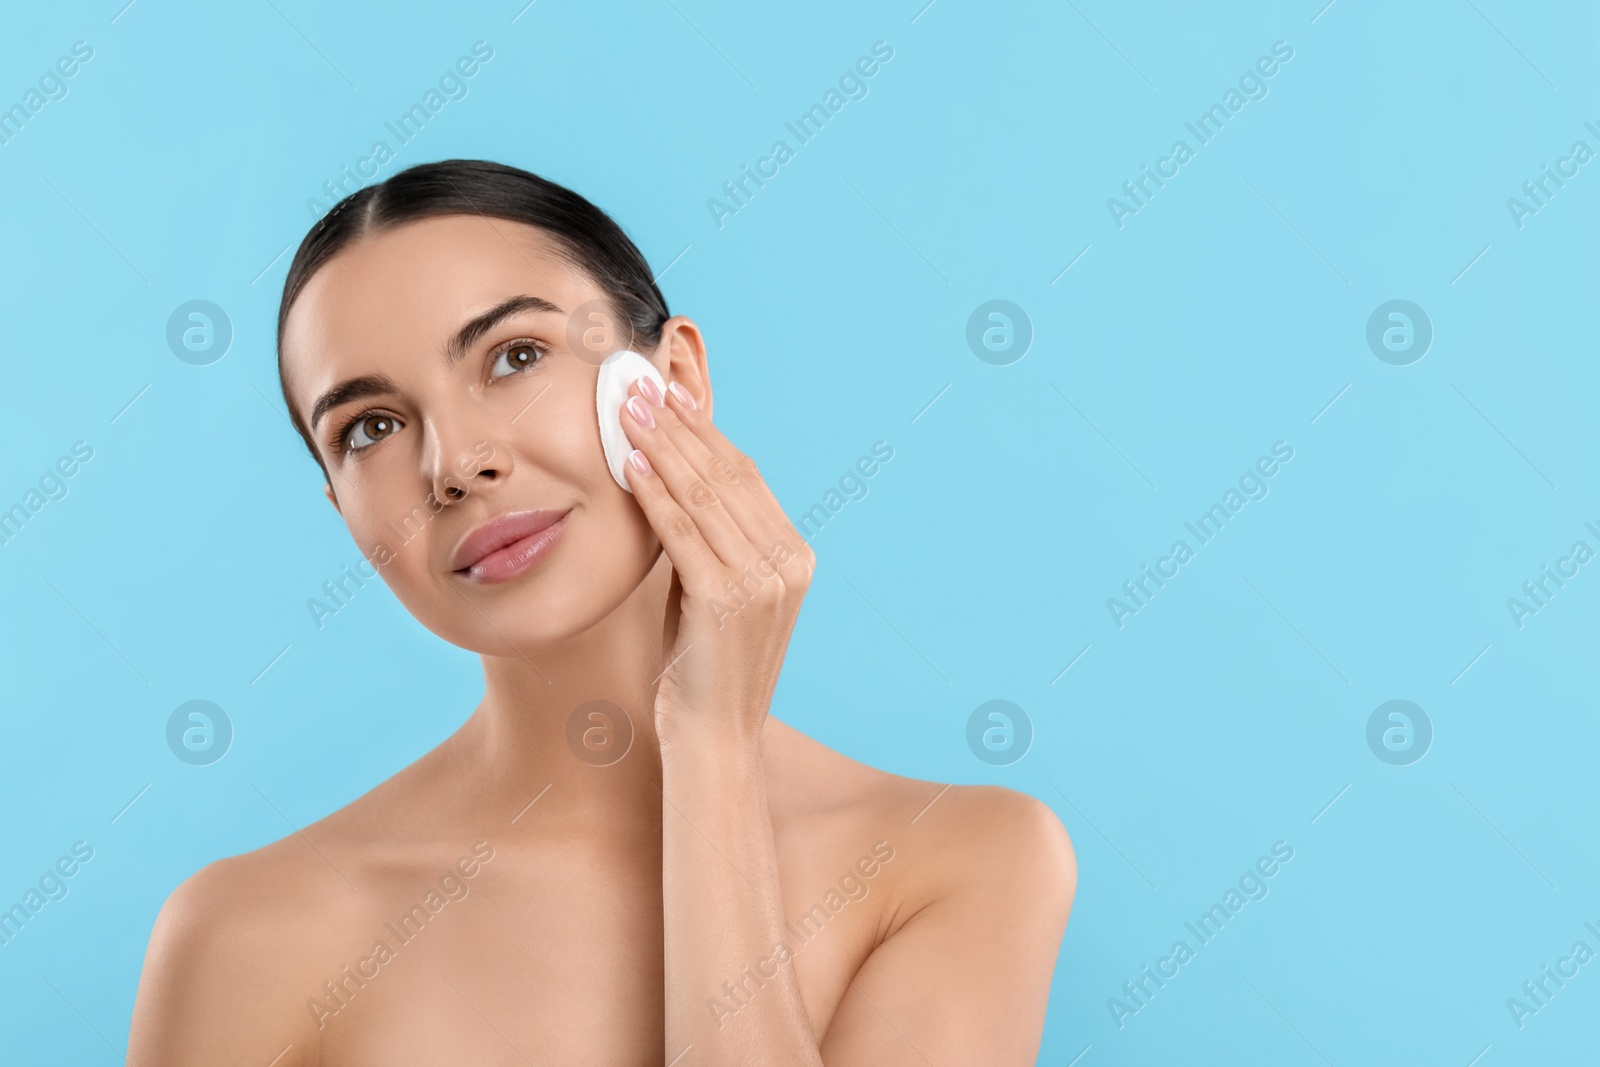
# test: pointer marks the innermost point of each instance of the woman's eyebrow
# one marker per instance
(479, 325)
(376, 384)
(348, 390)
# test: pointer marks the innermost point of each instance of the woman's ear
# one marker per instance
(681, 358)
(327, 487)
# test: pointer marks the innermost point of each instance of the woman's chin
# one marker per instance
(527, 622)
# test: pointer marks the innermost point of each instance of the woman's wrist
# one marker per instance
(717, 745)
(728, 730)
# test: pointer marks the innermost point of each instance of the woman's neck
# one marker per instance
(522, 736)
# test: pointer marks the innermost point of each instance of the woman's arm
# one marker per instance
(742, 569)
(959, 981)
(724, 912)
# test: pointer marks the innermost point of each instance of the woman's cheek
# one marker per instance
(569, 438)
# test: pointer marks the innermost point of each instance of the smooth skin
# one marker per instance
(729, 891)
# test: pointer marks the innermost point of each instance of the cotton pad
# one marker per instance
(617, 373)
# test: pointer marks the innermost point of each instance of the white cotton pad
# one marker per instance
(617, 374)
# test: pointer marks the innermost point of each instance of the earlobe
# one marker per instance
(327, 488)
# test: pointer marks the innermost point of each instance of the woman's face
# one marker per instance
(450, 391)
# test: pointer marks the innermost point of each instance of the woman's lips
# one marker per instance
(508, 546)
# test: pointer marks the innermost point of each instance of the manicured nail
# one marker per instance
(640, 461)
(640, 412)
(683, 396)
(649, 390)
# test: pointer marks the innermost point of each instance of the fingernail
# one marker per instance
(640, 412)
(683, 396)
(639, 461)
(650, 391)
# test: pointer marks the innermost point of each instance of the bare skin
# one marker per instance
(728, 891)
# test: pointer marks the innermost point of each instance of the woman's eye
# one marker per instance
(368, 431)
(516, 358)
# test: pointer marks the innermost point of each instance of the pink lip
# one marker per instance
(505, 547)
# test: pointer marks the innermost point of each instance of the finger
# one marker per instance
(745, 492)
(682, 403)
(679, 535)
(754, 511)
(784, 546)
(693, 495)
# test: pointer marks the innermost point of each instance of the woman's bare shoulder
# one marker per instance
(234, 952)
(271, 915)
(306, 880)
(969, 838)
(256, 892)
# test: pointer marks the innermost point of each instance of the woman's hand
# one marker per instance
(740, 564)
(740, 569)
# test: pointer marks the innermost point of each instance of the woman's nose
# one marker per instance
(462, 464)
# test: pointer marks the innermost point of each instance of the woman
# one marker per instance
(620, 857)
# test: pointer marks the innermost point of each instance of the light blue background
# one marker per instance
(1226, 315)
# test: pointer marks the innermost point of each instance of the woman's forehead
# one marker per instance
(416, 284)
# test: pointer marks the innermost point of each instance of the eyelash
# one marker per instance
(342, 434)
(499, 350)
